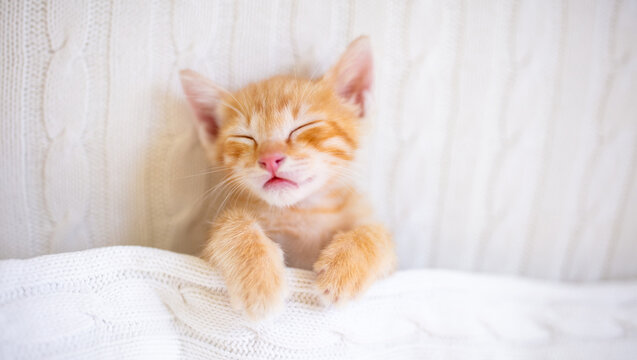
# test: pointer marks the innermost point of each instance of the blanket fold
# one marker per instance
(135, 302)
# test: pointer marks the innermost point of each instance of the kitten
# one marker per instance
(287, 145)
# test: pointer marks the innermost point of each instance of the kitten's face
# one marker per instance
(285, 138)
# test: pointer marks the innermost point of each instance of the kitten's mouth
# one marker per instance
(277, 183)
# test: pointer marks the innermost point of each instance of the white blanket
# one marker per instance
(134, 302)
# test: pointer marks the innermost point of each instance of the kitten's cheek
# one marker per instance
(234, 160)
(229, 162)
(236, 152)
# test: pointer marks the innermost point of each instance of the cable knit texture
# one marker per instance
(503, 139)
(133, 302)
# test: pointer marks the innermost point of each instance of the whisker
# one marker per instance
(230, 192)
(310, 82)
(233, 108)
(235, 99)
(215, 188)
(205, 173)
(222, 186)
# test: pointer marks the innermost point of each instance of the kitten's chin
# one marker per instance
(280, 200)
(287, 193)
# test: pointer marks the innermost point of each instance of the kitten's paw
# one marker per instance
(341, 275)
(258, 289)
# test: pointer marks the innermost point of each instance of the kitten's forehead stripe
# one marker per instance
(340, 132)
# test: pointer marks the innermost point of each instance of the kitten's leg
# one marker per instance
(353, 260)
(250, 262)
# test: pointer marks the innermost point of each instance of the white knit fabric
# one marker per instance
(504, 137)
(133, 302)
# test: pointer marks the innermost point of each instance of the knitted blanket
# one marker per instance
(135, 302)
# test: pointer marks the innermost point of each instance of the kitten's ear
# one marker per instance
(353, 75)
(204, 98)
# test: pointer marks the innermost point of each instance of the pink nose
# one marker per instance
(271, 162)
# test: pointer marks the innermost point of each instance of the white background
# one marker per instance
(504, 137)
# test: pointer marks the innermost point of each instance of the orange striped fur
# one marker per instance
(313, 219)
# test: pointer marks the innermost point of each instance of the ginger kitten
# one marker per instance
(286, 145)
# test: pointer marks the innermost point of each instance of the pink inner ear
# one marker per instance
(203, 98)
(358, 86)
(353, 75)
(205, 117)
(209, 124)
(356, 89)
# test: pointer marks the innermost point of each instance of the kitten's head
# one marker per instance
(284, 138)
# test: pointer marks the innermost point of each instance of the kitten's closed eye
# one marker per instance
(243, 138)
(249, 139)
(303, 127)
